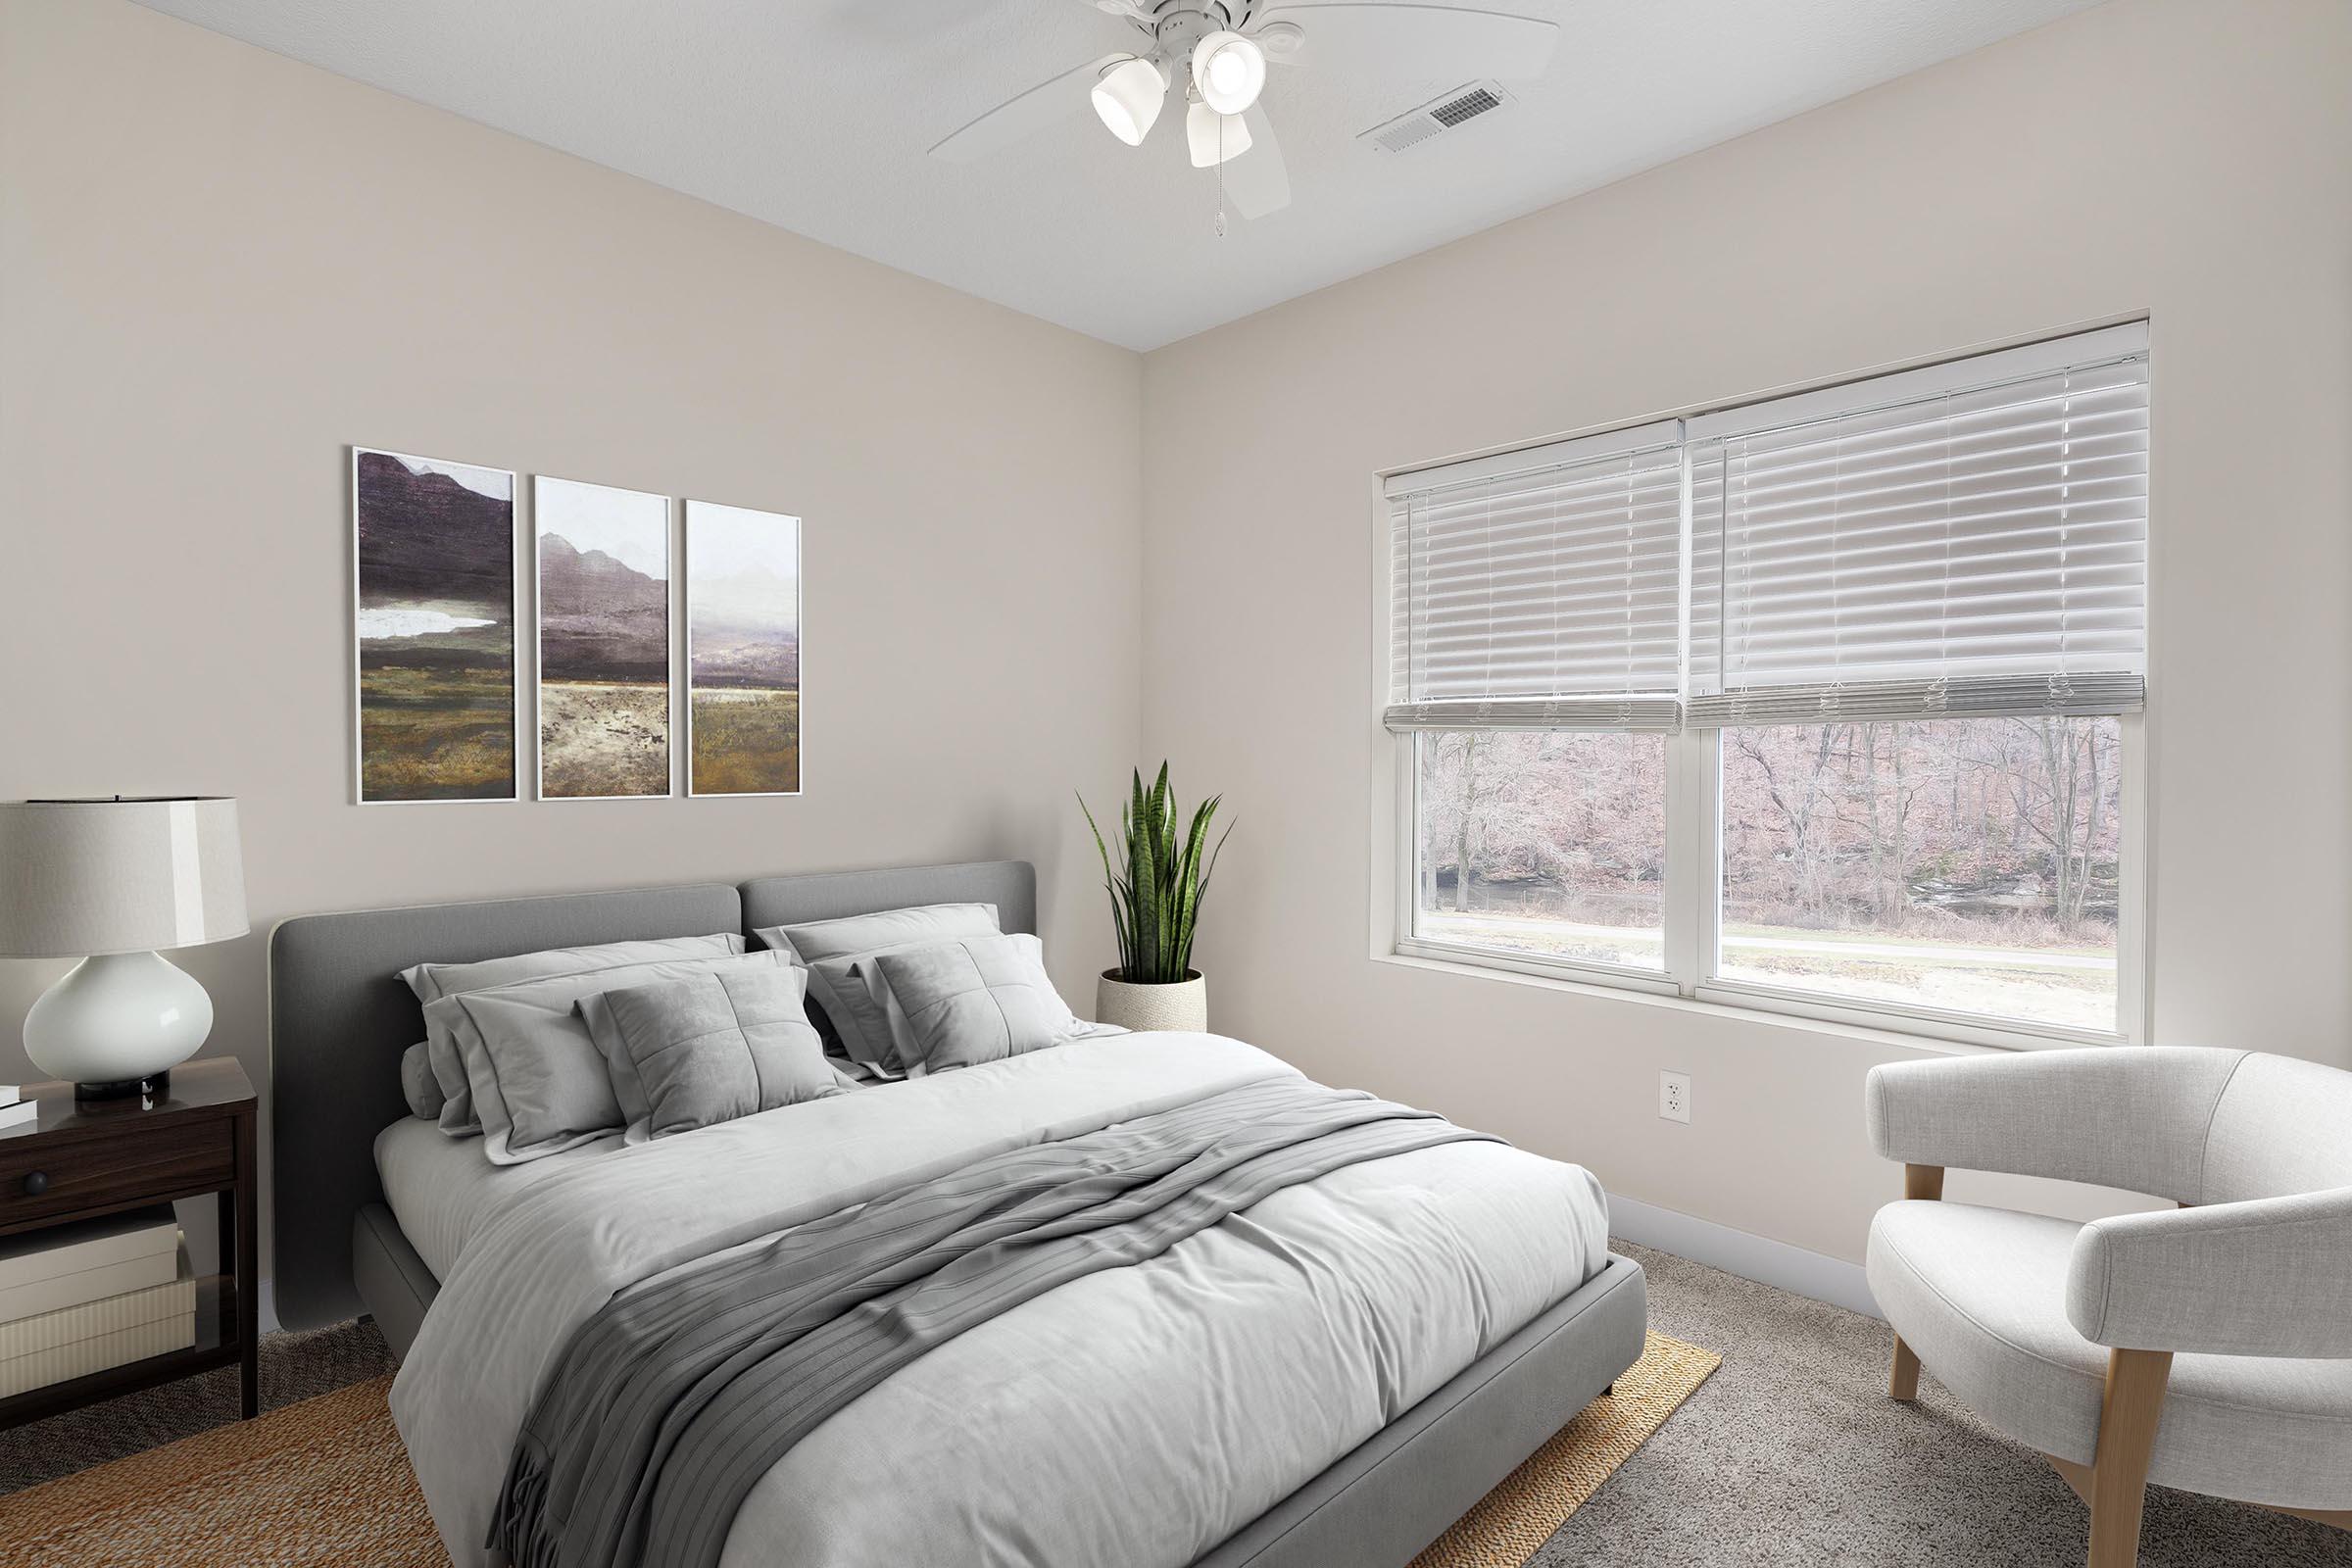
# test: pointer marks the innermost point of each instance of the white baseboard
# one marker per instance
(1755, 1257)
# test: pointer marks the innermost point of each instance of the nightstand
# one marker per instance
(84, 1159)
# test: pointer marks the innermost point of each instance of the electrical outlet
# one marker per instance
(1674, 1096)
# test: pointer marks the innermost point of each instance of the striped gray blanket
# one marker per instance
(668, 1405)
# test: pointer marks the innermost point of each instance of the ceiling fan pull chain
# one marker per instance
(1220, 225)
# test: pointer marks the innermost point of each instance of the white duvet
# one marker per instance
(1137, 1416)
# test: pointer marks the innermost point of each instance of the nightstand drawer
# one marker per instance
(55, 1177)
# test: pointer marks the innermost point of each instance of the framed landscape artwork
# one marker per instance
(743, 651)
(433, 605)
(604, 641)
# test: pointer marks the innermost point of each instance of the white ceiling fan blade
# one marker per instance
(1393, 41)
(1257, 181)
(1046, 104)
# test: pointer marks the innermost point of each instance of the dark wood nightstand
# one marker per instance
(81, 1160)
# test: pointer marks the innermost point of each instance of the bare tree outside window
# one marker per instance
(1968, 865)
(1965, 865)
(1545, 842)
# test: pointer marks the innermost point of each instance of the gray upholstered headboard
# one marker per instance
(339, 1018)
(1009, 885)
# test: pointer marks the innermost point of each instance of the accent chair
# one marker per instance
(2208, 1346)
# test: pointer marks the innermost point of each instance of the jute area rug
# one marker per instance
(326, 1484)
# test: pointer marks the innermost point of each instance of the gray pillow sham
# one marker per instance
(433, 981)
(628, 961)
(417, 1083)
(692, 1052)
(830, 950)
(978, 1000)
(537, 1081)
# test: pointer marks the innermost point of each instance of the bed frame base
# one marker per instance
(1379, 1506)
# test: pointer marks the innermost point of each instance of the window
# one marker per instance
(1824, 704)
(1967, 865)
(1546, 843)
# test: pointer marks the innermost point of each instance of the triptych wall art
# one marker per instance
(436, 594)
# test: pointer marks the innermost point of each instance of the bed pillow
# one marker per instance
(417, 1083)
(830, 949)
(902, 1034)
(709, 1049)
(434, 981)
(978, 1000)
(537, 1081)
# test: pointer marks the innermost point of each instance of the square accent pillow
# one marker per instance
(831, 949)
(979, 1000)
(697, 1052)
(537, 1081)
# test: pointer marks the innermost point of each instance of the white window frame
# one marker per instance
(1693, 883)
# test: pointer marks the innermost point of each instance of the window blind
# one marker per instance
(1541, 589)
(1978, 547)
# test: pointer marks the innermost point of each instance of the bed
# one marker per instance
(1404, 1408)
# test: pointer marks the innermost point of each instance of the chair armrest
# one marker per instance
(2269, 1277)
(2129, 1116)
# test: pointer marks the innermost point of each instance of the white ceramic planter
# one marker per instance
(1180, 1005)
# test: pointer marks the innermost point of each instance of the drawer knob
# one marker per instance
(36, 1184)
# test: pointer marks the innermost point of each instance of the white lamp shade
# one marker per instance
(1214, 138)
(1128, 97)
(80, 878)
(1229, 71)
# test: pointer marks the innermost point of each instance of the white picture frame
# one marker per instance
(736, 609)
(601, 512)
(389, 624)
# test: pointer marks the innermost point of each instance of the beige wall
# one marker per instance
(218, 268)
(2186, 158)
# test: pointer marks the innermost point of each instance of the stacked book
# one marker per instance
(80, 1299)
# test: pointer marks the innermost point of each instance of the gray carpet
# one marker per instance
(1789, 1454)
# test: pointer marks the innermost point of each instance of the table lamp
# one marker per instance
(109, 881)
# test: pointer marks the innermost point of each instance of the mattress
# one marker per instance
(1229, 1371)
(442, 1189)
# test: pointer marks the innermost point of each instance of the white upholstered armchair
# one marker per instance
(2207, 1347)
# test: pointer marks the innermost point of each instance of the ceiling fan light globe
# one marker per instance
(1127, 99)
(1214, 138)
(1229, 71)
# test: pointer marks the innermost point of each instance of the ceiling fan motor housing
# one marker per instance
(1177, 27)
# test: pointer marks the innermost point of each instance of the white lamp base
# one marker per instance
(117, 1021)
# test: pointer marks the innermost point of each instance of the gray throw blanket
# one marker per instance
(668, 1405)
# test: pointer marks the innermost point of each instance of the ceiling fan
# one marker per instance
(1218, 51)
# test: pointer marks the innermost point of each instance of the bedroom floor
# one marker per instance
(1793, 1454)
(1790, 1454)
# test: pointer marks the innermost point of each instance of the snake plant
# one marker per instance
(1157, 885)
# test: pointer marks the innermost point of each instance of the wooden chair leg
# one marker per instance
(2129, 1411)
(1904, 1384)
(1920, 1183)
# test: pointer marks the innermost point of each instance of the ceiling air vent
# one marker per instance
(1439, 115)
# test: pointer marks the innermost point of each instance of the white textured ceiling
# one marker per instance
(814, 115)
